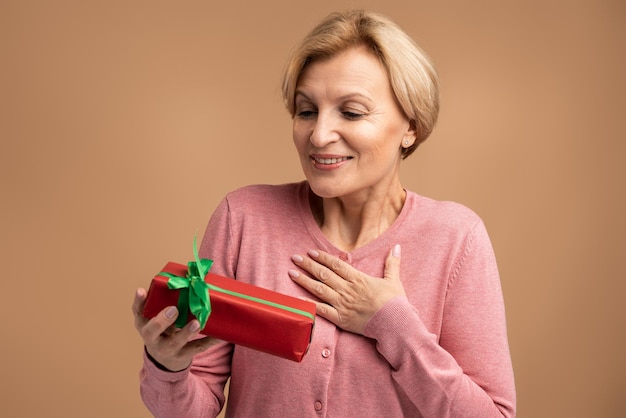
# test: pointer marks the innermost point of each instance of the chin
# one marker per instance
(325, 189)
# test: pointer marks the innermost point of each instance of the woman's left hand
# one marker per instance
(349, 297)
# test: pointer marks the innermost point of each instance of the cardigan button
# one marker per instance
(326, 353)
(318, 406)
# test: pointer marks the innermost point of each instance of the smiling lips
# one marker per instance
(328, 161)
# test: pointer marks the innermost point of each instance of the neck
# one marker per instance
(351, 222)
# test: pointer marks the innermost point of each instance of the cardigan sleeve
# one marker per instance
(197, 391)
(465, 371)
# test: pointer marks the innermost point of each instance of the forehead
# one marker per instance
(355, 68)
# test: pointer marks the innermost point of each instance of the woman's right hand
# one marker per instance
(171, 347)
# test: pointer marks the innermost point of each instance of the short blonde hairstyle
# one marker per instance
(413, 77)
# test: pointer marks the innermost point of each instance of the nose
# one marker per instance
(324, 130)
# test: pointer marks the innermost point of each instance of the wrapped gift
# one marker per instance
(233, 311)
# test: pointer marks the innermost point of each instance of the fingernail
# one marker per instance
(297, 258)
(396, 250)
(194, 326)
(294, 273)
(171, 312)
(313, 253)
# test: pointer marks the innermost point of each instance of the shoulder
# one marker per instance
(263, 197)
(441, 212)
(447, 228)
(441, 221)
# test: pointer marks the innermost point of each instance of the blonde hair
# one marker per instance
(414, 80)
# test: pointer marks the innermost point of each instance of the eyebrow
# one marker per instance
(343, 98)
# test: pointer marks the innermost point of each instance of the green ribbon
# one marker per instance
(194, 292)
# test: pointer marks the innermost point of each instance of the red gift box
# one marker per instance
(244, 314)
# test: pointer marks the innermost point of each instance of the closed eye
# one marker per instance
(306, 114)
(352, 115)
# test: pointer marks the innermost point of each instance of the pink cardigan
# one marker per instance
(440, 352)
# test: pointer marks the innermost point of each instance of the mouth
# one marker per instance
(319, 160)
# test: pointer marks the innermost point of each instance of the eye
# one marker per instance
(352, 115)
(306, 114)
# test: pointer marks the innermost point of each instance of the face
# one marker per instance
(348, 128)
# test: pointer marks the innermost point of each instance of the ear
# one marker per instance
(410, 136)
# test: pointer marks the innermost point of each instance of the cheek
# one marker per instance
(300, 142)
(384, 149)
(298, 135)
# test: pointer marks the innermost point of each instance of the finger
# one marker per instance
(138, 304)
(315, 287)
(341, 269)
(321, 267)
(392, 264)
(327, 312)
(199, 345)
(156, 326)
(139, 301)
(339, 317)
(176, 351)
(181, 346)
(180, 337)
(170, 331)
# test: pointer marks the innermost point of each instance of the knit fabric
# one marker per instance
(441, 351)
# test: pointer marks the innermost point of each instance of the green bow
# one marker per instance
(194, 291)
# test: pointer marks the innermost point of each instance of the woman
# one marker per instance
(410, 311)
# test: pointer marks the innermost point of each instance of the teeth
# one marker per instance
(330, 160)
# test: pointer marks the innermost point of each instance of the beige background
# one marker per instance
(122, 124)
